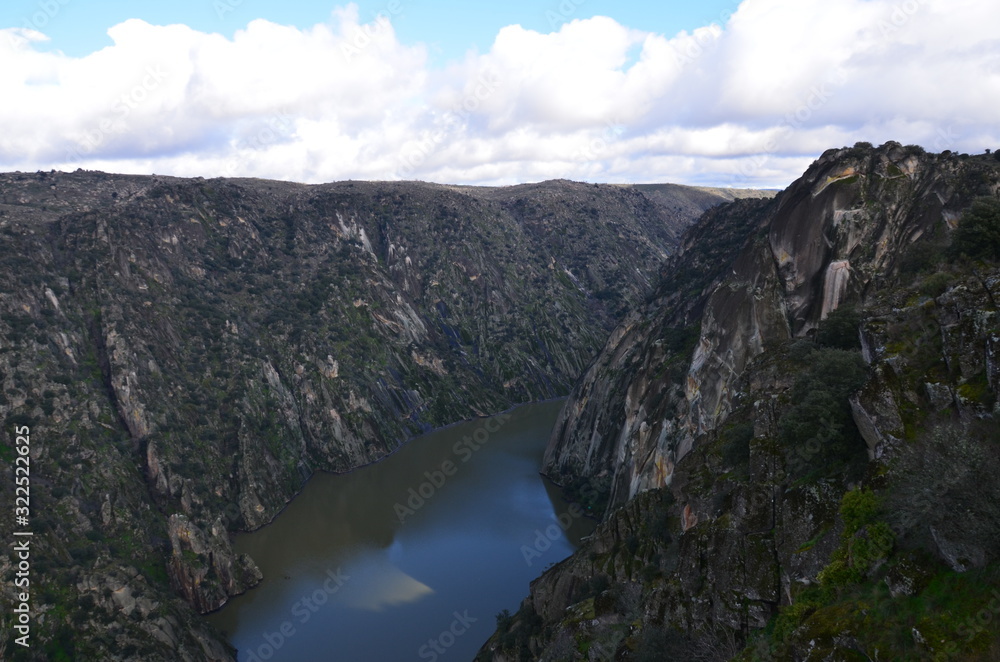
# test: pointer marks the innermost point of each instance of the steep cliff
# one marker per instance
(749, 275)
(186, 353)
(796, 435)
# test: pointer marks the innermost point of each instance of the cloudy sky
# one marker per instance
(710, 92)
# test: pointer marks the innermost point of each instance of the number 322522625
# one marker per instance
(22, 471)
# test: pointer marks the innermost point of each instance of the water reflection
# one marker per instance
(375, 584)
(436, 528)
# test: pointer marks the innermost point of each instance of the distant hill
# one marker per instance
(685, 199)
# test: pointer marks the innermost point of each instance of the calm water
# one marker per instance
(410, 558)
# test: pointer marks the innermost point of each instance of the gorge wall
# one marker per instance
(186, 353)
(792, 439)
(751, 274)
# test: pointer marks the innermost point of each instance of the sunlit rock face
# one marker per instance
(776, 270)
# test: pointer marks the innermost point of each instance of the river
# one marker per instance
(410, 558)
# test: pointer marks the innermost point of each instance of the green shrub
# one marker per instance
(935, 285)
(978, 233)
(818, 432)
(801, 350)
(840, 329)
(921, 257)
(871, 547)
(858, 508)
(839, 573)
(865, 543)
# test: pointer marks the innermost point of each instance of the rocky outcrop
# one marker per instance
(204, 569)
(802, 416)
(718, 551)
(835, 236)
(641, 402)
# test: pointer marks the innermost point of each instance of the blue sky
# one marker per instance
(717, 93)
(448, 27)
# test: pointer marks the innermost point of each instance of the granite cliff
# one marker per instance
(750, 274)
(792, 440)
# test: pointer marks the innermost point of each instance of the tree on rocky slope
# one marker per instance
(818, 432)
(978, 232)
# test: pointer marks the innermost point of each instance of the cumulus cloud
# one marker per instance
(749, 101)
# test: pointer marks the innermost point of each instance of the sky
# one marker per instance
(714, 92)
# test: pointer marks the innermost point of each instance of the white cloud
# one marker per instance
(750, 102)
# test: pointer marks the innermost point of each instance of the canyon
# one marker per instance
(781, 409)
(187, 353)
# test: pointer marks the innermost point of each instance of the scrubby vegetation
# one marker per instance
(844, 505)
(188, 352)
(978, 233)
(819, 421)
(877, 595)
(840, 329)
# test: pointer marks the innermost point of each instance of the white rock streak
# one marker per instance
(835, 286)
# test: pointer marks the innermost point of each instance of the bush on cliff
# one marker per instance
(978, 233)
(818, 432)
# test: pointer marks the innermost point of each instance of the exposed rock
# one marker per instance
(721, 504)
(834, 236)
(188, 352)
(835, 282)
(204, 568)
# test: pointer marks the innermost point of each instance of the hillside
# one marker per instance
(186, 353)
(794, 438)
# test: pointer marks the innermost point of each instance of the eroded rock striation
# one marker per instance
(777, 268)
(188, 352)
(794, 436)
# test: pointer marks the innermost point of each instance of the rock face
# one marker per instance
(803, 415)
(644, 398)
(187, 353)
(203, 568)
(777, 268)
